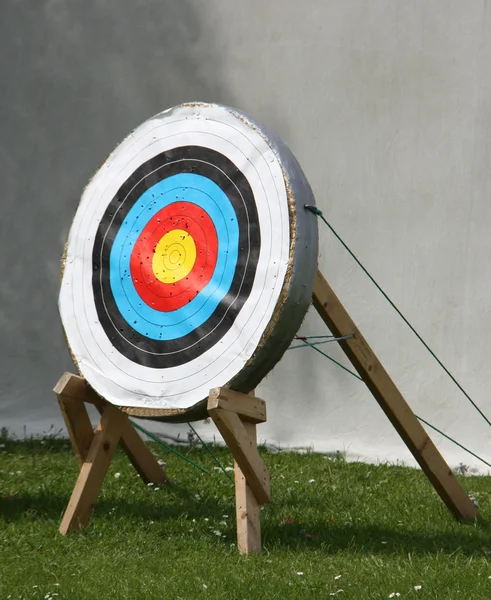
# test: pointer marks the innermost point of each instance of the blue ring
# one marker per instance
(206, 194)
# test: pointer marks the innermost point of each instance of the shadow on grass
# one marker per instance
(376, 539)
(326, 536)
(175, 501)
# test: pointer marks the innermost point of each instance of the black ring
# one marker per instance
(170, 353)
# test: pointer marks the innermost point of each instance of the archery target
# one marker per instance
(179, 254)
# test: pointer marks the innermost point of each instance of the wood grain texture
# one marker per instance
(235, 415)
(74, 386)
(247, 507)
(78, 425)
(244, 451)
(248, 407)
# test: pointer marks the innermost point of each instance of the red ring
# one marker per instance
(167, 297)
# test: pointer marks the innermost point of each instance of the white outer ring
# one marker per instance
(112, 375)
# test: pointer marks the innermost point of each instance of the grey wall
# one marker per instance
(76, 77)
(387, 105)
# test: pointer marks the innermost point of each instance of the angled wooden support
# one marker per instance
(94, 450)
(391, 401)
(236, 416)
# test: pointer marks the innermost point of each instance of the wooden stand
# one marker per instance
(94, 450)
(236, 416)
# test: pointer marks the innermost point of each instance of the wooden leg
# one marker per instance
(244, 450)
(142, 459)
(139, 454)
(247, 508)
(391, 401)
(93, 471)
(95, 451)
(235, 416)
(78, 425)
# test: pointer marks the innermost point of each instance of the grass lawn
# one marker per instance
(333, 529)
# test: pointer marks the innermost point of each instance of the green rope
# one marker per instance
(313, 337)
(311, 344)
(452, 440)
(319, 214)
(205, 446)
(419, 418)
(302, 338)
(159, 441)
(333, 360)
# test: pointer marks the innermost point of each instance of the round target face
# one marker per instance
(178, 257)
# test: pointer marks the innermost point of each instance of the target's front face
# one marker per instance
(176, 258)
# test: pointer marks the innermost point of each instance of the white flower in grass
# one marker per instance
(205, 586)
(338, 577)
(311, 480)
(394, 595)
(217, 532)
(299, 572)
(336, 593)
(117, 475)
(417, 587)
(229, 468)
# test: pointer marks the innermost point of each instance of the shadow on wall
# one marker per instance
(76, 78)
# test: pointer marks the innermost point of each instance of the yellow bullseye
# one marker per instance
(174, 256)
